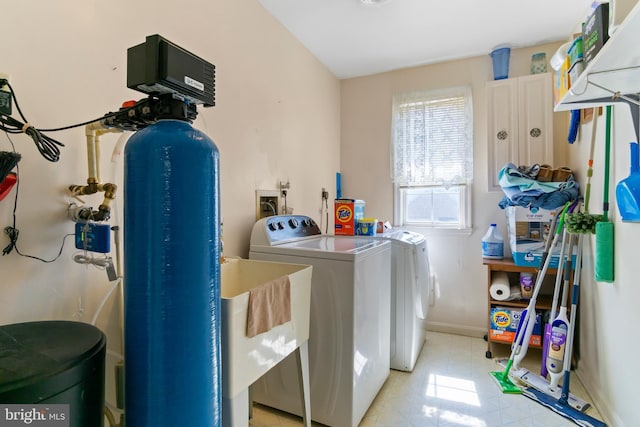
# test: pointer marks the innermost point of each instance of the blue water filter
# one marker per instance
(172, 278)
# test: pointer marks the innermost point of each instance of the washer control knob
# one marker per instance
(272, 226)
(293, 223)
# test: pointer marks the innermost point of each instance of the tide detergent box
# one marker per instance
(504, 324)
(348, 212)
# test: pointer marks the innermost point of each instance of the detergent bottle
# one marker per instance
(493, 243)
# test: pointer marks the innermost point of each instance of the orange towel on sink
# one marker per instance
(269, 306)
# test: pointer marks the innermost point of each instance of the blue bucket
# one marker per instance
(500, 58)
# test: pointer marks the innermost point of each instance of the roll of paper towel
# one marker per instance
(500, 289)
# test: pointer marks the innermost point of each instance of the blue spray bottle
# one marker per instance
(628, 190)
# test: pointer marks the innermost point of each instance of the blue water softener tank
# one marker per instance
(53, 363)
(172, 271)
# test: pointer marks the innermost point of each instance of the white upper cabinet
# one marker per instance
(520, 123)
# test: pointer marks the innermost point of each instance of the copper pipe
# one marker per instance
(93, 132)
(104, 210)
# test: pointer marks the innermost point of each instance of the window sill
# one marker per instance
(439, 231)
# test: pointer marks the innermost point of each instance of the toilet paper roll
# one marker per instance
(501, 290)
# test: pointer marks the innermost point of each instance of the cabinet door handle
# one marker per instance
(535, 132)
(502, 135)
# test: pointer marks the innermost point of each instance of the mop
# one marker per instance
(525, 327)
(554, 305)
(604, 260)
(553, 364)
(528, 319)
(562, 405)
(559, 327)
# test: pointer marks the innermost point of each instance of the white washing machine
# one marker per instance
(411, 283)
(349, 336)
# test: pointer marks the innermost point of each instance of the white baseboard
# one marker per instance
(447, 328)
(600, 401)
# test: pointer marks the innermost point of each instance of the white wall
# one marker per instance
(608, 311)
(277, 118)
(366, 128)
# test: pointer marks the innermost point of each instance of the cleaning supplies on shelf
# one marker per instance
(526, 285)
(493, 243)
(628, 190)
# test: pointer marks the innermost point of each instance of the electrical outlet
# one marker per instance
(284, 187)
(267, 203)
(325, 194)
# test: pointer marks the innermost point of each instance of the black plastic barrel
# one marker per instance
(54, 362)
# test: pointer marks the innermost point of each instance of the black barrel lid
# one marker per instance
(40, 359)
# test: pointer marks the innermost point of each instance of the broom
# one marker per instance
(583, 222)
(603, 265)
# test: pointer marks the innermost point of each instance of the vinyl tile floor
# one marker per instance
(450, 386)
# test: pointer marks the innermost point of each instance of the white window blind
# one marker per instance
(432, 158)
(432, 138)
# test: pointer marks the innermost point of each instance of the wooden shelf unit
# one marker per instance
(543, 302)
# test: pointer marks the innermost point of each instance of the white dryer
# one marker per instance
(411, 283)
(349, 336)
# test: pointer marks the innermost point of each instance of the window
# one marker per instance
(432, 157)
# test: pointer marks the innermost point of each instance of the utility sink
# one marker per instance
(244, 359)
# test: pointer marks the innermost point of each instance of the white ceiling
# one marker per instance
(352, 39)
